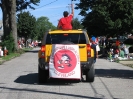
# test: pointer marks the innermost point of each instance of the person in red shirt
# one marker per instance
(65, 22)
(117, 43)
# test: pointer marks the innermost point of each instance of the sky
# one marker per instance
(53, 9)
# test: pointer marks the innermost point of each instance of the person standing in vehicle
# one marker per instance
(66, 22)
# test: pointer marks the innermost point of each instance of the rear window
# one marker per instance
(58, 38)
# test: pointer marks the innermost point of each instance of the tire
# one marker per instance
(42, 75)
(90, 74)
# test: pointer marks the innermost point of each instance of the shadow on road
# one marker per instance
(50, 93)
(28, 79)
(114, 73)
(32, 51)
(33, 79)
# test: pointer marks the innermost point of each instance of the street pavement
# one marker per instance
(19, 80)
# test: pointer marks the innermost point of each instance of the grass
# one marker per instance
(27, 49)
(129, 65)
(13, 55)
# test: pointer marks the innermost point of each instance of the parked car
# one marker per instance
(129, 41)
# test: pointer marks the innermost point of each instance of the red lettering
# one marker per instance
(65, 75)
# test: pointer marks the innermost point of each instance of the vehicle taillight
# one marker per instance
(43, 51)
(88, 50)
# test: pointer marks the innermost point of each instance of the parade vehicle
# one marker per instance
(65, 54)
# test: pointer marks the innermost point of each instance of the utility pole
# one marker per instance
(68, 8)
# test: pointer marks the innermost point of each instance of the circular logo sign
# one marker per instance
(65, 61)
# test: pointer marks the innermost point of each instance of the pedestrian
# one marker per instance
(117, 43)
(95, 48)
(116, 53)
(1, 51)
(110, 56)
(65, 23)
(126, 50)
(121, 54)
(97, 43)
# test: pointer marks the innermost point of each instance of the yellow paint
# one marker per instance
(82, 50)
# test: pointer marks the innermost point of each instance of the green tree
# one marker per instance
(76, 24)
(107, 17)
(24, 4)
(26, 25)
(43, 25)
(9, 8)
(9, 26)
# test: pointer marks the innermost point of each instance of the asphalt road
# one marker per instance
(19, 80)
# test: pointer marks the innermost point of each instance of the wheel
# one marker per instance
(90, 74)
(42, 75)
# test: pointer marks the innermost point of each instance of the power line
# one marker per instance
(44, 5)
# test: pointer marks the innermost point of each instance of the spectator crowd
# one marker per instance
(114, 50)
(29, 43)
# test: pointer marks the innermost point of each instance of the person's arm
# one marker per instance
(97, 54)
(72, 8)
(97, 51)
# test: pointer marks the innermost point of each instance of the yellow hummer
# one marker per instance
(79, 37)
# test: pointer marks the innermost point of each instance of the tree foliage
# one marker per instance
(9, 8)
(107, 17)
(26, 25)
(76, 24)
(8, 42)
(43, 25)
(24, 4)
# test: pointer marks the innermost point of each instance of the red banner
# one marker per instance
(65, 62)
